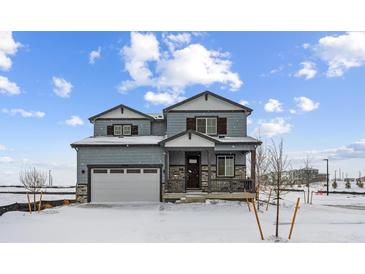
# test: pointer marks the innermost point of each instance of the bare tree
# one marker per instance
(278, 163)
(307, 176)
(33, 180)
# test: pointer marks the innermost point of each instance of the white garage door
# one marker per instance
(125, 185)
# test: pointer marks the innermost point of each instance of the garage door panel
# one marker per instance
(125, 187)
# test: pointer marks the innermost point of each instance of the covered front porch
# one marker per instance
(208, 168)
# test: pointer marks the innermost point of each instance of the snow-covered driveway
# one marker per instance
(222, 222)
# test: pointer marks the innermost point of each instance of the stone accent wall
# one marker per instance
(177, 172)
(240, 173)
(81, 193)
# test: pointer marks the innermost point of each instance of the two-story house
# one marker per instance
(195, 148)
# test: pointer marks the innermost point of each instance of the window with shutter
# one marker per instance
(134, 130)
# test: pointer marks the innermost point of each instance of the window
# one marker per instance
(127, 130)
(100, 171)
(225, 165)
(113, 171)
(207, 125)
(133, 171)
(118, 130)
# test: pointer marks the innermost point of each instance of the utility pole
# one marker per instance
(327, 175)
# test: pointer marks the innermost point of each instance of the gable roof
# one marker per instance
(247, 109)
(92, 118)
(189, 131)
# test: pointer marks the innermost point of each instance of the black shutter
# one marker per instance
(222, 125)
(110, 130)
(190, 124)
(134, 130)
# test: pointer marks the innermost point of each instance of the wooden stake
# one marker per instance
(40, 202)
(293, 220)
(268, 200)
(29, 207)
(257, 219)
(248, 205)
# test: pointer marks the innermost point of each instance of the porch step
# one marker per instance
(193, 199)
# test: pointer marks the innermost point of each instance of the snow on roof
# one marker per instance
(157, 116)
(125, 140)
(247, 139)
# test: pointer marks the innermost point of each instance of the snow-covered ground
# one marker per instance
(336, 218)
(10, 198)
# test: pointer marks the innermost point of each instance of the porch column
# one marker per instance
(253, 167)
(209, 169)
(167, 166)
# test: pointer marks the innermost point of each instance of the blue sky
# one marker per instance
(306, 87)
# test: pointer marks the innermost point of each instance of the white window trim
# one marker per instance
(130, 130)
(206, 124)
(225, 166)
(121, 130)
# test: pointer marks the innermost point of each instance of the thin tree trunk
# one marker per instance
(34, 205)
(277, 207)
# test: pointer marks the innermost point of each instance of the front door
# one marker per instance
(192, 170)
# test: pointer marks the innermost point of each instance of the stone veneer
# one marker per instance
(178, 172)
(81, 193)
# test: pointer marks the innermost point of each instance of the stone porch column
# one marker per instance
(253, 166)
(209, 170)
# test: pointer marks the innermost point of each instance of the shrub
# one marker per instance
(348, 185)
(334, 185)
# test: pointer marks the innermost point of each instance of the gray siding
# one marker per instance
(144, 126)
(116, 155)
(236, 122)
(159, 128)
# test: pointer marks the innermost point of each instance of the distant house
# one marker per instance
(196, 147)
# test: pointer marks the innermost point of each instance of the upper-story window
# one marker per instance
(207, 125)
(120, 130)
(127, 130)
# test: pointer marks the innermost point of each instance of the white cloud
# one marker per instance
(61, 87)
(94, 55)
(2, 147)
(249, 121)
(174, 41)
(292, 111)
(244, 102)
(342, 52)
(195, 64)
(8, 47)
(273, 105)
(74, 121)
(6, 159)
(306, 45)
(354, 150)
(273, 127)
(143, 48)
(23, 113)
(163, 98)
(7, 87)
(172, 71)
(306, 104)
(308, 70)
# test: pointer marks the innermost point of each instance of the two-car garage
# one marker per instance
(124, 184)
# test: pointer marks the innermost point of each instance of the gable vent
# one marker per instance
(121, 110)
(206, 97)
